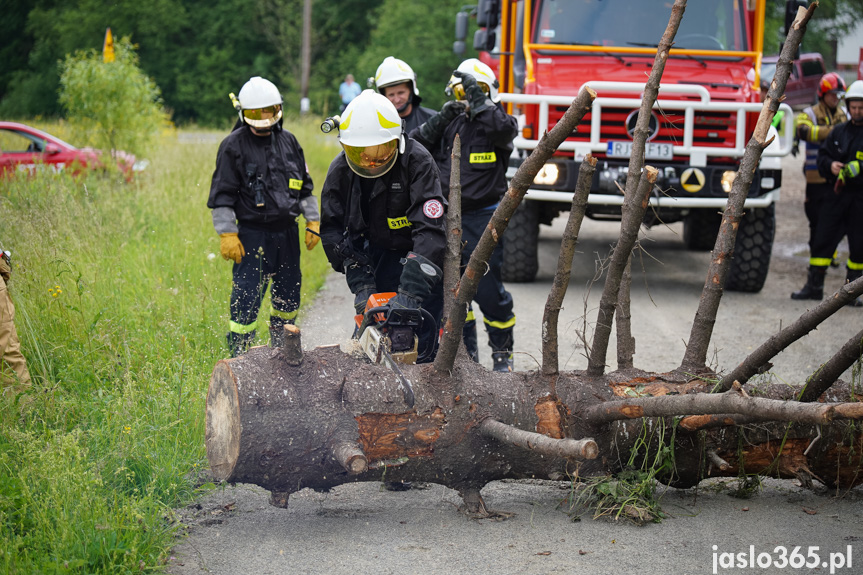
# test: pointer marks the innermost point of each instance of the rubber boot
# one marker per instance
(853, 275)
(501, 342)
(502, 361)
(814, 288)
(470, 342)
(238, 343)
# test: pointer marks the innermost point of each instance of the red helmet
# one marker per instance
(831, 82)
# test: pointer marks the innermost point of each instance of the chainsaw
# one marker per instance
(388, 336)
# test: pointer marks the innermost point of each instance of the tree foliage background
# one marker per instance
(198, 51)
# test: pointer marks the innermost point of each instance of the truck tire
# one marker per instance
(521, 239)
(752, 250)
(700, 228)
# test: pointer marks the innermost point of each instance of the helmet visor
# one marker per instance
(372, 161)
(455, 89)
(263, 117)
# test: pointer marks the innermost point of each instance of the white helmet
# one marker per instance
(484, 77)
(260, 103)
(371, 133)
(393, 71)
(855, 91)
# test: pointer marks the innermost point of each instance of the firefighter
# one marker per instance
(383, 213)
(839, 160)
(260, 186)
(486, 132)
(398, 82)
(813, 126)
(14, 375)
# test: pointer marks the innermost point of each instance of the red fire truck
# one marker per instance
(544, 51)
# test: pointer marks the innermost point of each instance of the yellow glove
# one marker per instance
(312, 239)
(232, 247)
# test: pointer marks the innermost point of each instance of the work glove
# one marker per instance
(361, 282)
(419, 277)
(404, 301)
(361, 299)
(231, 247)
(849, 171)
(313, 234)
(432, 130)
(477, 100)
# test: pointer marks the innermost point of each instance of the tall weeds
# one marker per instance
(122, 302)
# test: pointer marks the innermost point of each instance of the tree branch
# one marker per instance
(554, 303)
(732, 402)
(569, 448)
(804, 324)
(828, 373)
(623, 317)
(452, 259)
(634, 207)
(695, 358)
(522, 180)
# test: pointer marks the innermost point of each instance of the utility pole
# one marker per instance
(306, 57)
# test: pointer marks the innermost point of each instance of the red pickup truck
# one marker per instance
(802, 87)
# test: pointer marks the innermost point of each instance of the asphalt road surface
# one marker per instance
(361, 528)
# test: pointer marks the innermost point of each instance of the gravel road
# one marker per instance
(361, 528)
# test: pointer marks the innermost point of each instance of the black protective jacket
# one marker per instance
(486, 145)
(844, 144)
(254, 169)
(404, 212)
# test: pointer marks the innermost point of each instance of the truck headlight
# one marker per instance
(547, 176)
(727, 180)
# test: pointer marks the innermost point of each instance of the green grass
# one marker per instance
(122, 311)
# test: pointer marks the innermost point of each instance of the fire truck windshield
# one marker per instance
(706, 25)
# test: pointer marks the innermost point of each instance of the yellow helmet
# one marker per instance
(371, 134)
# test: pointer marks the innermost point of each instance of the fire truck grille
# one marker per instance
(718, 129)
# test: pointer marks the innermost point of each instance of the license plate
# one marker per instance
(652, 151)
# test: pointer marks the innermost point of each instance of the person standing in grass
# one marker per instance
(11, 358)
(260, 186)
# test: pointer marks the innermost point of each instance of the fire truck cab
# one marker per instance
(544, 51)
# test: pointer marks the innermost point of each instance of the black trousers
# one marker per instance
(270, 255)
(816, 196)
(494, 301)
(840, 215)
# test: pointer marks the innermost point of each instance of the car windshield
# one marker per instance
(706, 25)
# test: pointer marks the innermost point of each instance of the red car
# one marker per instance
(26, 149)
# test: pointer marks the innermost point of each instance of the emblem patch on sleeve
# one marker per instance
(433, 209)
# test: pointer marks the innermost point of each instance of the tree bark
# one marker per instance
(452, 260)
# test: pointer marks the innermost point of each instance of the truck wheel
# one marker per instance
(521, 239)
(700, 228)
(752, 250)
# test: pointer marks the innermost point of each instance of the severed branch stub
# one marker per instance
(291, 347)
(351, 457)
(567, 448)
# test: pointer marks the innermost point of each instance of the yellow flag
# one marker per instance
(108, 48)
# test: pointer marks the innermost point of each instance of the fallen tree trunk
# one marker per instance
(334, 418)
